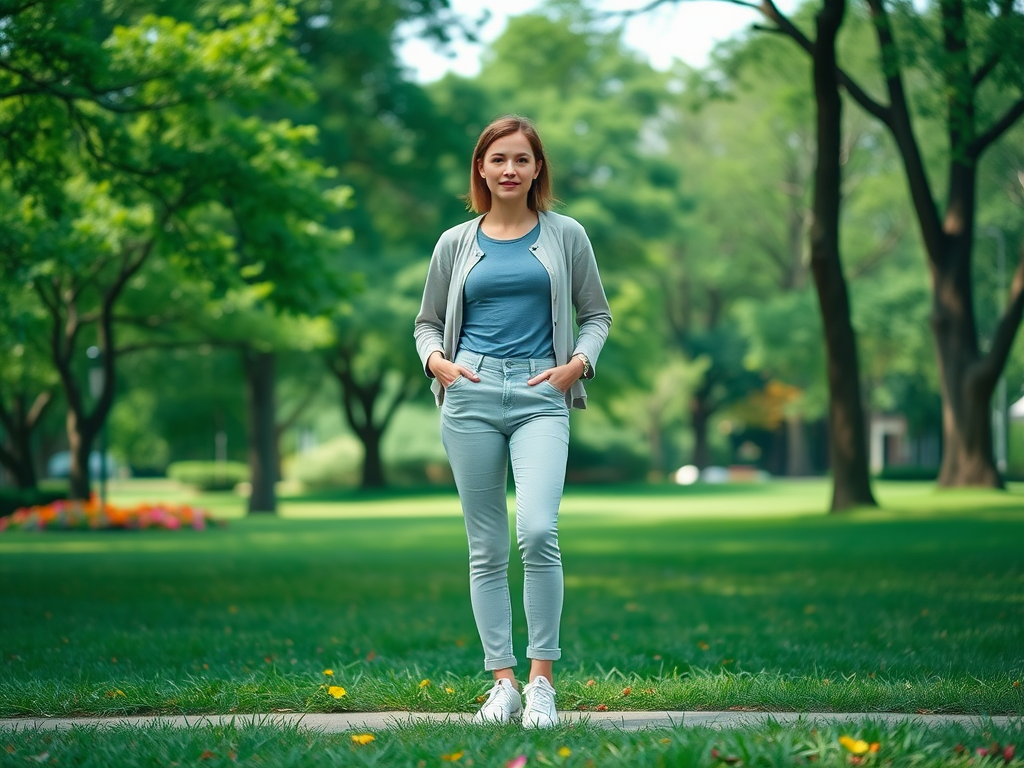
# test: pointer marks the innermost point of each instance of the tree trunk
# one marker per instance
(373, 465)
(260, 378)
(847, 440)
(700, 416)
(19, 424)
(359, 403)
(80, 442)
(967, 456)
(797, 460)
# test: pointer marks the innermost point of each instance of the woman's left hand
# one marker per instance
(561, 376)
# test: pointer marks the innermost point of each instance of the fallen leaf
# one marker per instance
(703, 646)
(602, 707)
(115, 693)
(591, 683)
(626, 691)
(42, 757)
(207, 754)
(371, 656)
(665, 741)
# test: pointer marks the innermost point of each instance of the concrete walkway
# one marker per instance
(377, 721)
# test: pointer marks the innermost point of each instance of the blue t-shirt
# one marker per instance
(507, 301)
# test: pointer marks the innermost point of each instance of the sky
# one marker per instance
(686, 30)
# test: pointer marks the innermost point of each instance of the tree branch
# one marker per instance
(1003, 124)
(994, 361)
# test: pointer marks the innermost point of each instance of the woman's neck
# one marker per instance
(505, 222)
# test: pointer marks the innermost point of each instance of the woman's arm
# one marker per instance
(428, 328)
(593, 315)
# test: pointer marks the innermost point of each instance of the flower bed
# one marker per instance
(87, 515)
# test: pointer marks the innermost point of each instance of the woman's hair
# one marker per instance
(479, 197)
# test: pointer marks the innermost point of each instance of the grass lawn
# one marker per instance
(676, 598)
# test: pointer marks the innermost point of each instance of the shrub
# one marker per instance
(209, 475)
(333, 464)
(909, 472)
(15, 498)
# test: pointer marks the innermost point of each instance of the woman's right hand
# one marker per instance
(446, 371)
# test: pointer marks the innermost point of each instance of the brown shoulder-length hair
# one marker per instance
(540, 197)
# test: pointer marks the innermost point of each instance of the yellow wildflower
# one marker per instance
(453, 756)
(362, 738)
(424, 683)
(564, 752)
(856, 746)
(336, 691)
(329, 672)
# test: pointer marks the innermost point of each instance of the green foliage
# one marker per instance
(209, 475)
(334, 464)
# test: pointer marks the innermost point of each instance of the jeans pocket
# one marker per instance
(553, 387)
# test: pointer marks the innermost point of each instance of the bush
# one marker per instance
(15, 498)
(209, 475)
(334, 464)
(909, 472)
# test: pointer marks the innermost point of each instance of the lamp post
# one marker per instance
(96, 381)
(999, 419)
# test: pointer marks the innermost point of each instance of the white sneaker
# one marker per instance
(503, 703)
(540, 709)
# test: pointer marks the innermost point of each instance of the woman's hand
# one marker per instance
(561, 376)
(446, 371)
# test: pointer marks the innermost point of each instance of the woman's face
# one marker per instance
(509, 168)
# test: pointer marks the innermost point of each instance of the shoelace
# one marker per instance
(494, 693)
(546, 698)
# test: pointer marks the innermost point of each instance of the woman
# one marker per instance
(495, 332)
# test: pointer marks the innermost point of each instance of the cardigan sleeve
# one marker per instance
(428, 329)
(593, 315)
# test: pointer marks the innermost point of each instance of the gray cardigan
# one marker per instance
(565, 251)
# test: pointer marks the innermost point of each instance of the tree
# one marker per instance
(28, 386)
(980, 95)
(152, 178)
(851, 485)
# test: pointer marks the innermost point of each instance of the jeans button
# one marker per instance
(508, 363)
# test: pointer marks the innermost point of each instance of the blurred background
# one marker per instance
(217, 220)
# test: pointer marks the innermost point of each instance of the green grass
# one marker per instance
(691, 598)
(436, 744)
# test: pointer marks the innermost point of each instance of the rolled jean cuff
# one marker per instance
(544, 654)
(505, 662)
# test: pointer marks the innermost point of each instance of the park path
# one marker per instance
(340, 722)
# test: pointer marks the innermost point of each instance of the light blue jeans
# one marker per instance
(483, 424)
